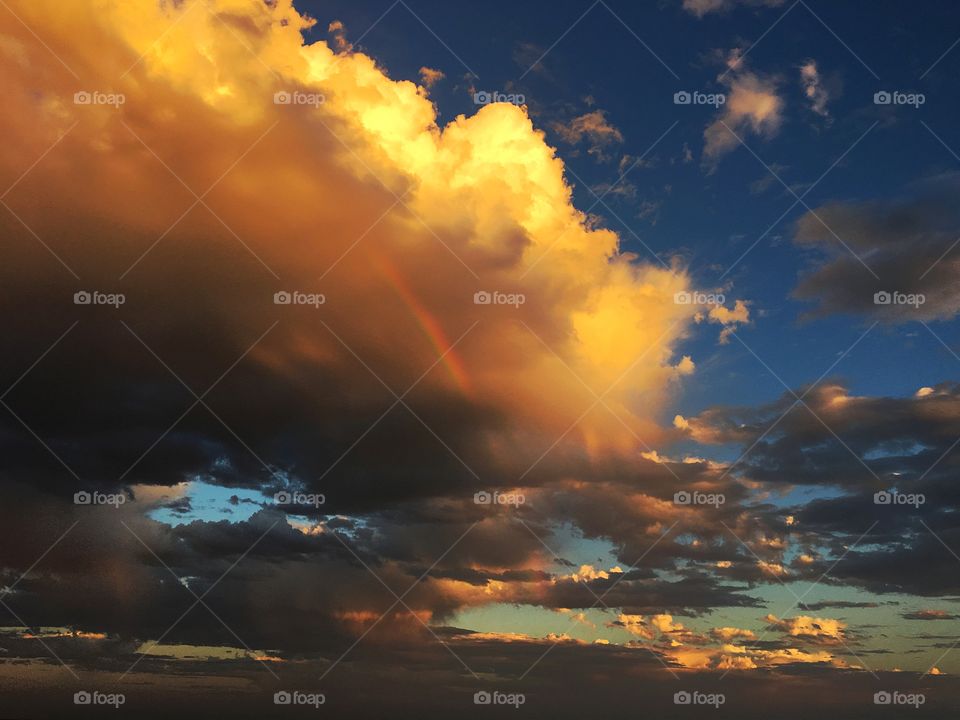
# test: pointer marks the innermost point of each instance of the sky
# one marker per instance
(412, 357)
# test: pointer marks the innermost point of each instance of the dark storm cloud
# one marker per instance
(908, 244)
(871, 453)
(834, 438)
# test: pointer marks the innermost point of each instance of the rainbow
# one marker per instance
(428, 323)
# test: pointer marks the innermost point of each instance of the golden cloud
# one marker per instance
(350, 180)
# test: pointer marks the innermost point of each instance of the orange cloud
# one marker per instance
(430, 77)
(823, 630)
(350, 180)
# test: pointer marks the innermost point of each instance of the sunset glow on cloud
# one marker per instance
(334, 364)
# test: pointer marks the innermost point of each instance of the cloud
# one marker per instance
(816, 630)
(355, 192)
(905, 246)
(719, 649)
(729, 318)
(852, 447)
(338, 32)
(813, 88)
(592, 127)
(752, 107)
(430, 77)
(303, 397)
(899, 437)
(841, 604)
(928, 615)
(728, 634)
(483, 195)
(705, 7)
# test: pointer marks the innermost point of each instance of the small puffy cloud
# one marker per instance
(728, 634)
(752, 107)
(636, 625)
(430, 77)
(338, 33)
(593, 128)
(665, 624)
(825, 631)
(771, 569)
(729, 318)
(587, 573)
(813, 88)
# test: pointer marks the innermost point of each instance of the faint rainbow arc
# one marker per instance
(428, 324)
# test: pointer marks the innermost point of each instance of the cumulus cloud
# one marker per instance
(816, 630)
(485, 207)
